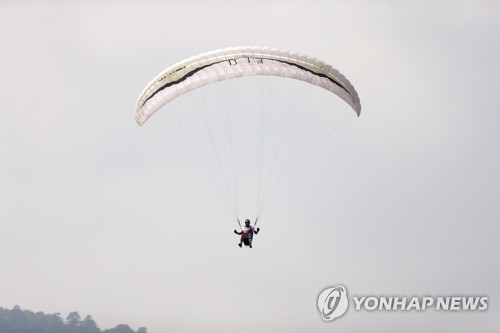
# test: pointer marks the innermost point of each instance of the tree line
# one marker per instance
(17, 320)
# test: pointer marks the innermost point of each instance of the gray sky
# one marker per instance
(99, 216)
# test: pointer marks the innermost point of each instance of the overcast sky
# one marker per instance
(100, 216)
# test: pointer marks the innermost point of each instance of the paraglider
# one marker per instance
(224, 64)
(247, 234)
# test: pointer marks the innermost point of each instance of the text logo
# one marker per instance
(333, 303)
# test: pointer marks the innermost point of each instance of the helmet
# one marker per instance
(247, 221)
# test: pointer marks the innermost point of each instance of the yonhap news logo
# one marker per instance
(333, 302)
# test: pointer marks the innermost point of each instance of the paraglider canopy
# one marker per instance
(235, 62)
